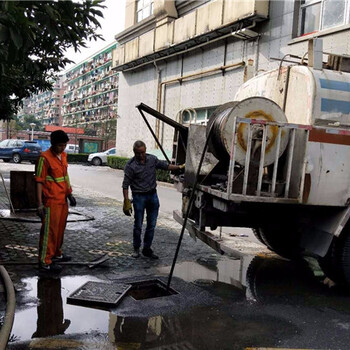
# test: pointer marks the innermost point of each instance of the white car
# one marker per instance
(71, 148)
(101, 157)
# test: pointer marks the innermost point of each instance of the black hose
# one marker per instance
(189, 207)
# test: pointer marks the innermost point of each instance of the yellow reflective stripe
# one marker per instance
(56, 179)
(67, 179)
(46, 235)
(40, 166)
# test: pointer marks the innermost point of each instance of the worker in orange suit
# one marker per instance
(53, 190)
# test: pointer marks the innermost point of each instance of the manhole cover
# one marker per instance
(97, 293)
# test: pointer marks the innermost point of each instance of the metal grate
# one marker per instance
(293, 169)
(97, 293)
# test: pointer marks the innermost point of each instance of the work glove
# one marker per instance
(182, 166)
(127, 208)
(72, 201)
(41, 211)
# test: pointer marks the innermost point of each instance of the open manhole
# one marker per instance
(149, 289)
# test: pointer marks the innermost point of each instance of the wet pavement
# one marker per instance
(220, 302)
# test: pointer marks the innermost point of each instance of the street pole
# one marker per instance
(76, 133)
(32, 125)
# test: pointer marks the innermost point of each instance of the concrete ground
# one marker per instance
(252, 302)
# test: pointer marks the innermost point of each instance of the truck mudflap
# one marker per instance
(317, 238)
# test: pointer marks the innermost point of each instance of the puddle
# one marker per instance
(264, 302)
(262, 279)
(51, 315)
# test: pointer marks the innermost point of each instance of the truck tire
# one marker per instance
(284, 242)
(329, 263)
(336, 263)
(257, 235)
(345, 258)
(16, 158)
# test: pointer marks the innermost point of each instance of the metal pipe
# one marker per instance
(286, 90)
(189, 208)
(282, 60)
(275, 166)
(158, 98)
(301, 189)
(212, 70)
(162, 117)
(154, 135)
(7, 195)
(257, 47)
(262, 160)
(289, 163)
(247, 159)
(6, 328)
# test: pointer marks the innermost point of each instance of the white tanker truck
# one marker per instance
(278, 161)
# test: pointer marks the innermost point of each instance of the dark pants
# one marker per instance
(150, 203)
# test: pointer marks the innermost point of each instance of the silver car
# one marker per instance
(101, 157)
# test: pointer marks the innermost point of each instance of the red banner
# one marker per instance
(65, 129)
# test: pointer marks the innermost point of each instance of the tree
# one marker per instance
(24, 123)
(34, 36)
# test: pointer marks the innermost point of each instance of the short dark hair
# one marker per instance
(58, 136)
(139, 144)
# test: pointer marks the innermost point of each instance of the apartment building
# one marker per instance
(45, 106)
(184, 58)
(91, 94)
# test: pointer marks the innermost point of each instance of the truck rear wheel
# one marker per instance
(257, 235)
(336, 263)
(284, 242)
(329, 263)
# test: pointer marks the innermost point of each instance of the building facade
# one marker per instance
(45, 106)
(184, 58)
(91, 96)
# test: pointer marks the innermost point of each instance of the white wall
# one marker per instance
(141, 85)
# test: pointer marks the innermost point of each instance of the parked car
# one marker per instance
(101, 157)
(18, 150)
(71, 148)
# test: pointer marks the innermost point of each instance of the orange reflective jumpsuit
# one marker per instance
(52, 173)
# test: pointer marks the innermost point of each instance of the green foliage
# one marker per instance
(77, 157)
(27, 120)
(120, 162)
(34, 36)
(116, 162)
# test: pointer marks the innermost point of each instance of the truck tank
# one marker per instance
(278, 163)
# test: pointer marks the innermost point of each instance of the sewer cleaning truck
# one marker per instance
(277, 161)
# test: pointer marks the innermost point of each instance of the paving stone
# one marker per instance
(110, 233)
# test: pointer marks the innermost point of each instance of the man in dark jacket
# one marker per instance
(140, 175)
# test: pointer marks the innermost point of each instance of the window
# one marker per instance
(4, 143)
(144, 9)
(196, 115)
(322, 14)
(12, 143)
